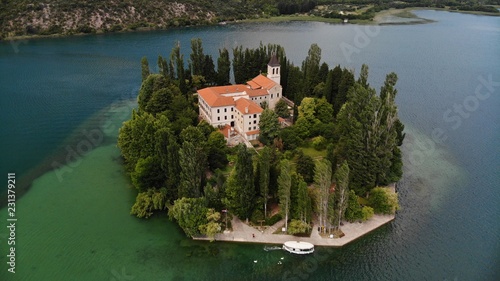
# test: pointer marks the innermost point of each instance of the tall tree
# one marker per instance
(191, 214)
(284, 185)
(305, 166)
(269, 126)
(240, 189)
(197, 58)
(369, 134)
(295, 86)
(163, 66)
(341, 193)
(136, 138)
(177, 61)
(192, 160)
(281, 109)
(303, 208)
(346, 82)
(145, 68)
(264, 170)
(239, 65)
(323, 181)
(310, 68)
(223, 68)
(390, 132)
(363, 76)
(332, 84)
(217, 148)
(208, 70)
(173, 168)
(357, 137)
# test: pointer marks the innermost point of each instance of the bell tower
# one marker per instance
(274, 69)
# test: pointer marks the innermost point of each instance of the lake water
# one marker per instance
(64, 99)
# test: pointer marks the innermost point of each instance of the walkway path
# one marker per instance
(245, 233)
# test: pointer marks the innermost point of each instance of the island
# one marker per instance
(308, 151)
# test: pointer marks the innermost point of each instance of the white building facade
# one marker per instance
(240, 106)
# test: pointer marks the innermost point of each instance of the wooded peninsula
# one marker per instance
(329, 163)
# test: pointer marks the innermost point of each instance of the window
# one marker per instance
(225, 117)
(255, 128)
(232, 117)
(278, 95)
(218, 110)
(225, 109)
(249, 123)
(255, 116)
(255, 121)
(231, 109)
(271, 95)
(218, 118)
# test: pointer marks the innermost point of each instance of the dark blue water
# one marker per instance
(448, 227)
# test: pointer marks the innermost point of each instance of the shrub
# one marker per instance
(367, 213)
(319, 143)
(297, 227)
(274, 219)
(257, 215)
(353, 211)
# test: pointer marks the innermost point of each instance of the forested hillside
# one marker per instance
(66, 17)
(45, 17)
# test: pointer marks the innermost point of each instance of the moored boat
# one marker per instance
(297, 247)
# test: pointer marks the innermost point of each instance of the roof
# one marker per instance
(247, 107)
(261, 82)
(225, 131)
(219, 96)
(256, 93)
(214, 97)
(299, 245)
(273, 61)
(253, 132)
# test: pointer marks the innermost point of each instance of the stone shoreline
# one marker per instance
(244, 233)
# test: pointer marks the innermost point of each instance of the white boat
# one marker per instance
(297, 247)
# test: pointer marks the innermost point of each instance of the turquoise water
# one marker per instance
(73, 223)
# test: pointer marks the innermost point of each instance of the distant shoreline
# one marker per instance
(377, 20)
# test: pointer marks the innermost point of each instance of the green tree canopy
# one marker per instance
(190, 214)
(281, 109)
(305, 167)
(269, 126)
(240, 189)
(383, 200)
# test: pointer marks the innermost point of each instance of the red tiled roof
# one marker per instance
(215, 96)
(261, 81)
(225, 131)
(214, 99)
(257, 93)
(243, 104)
